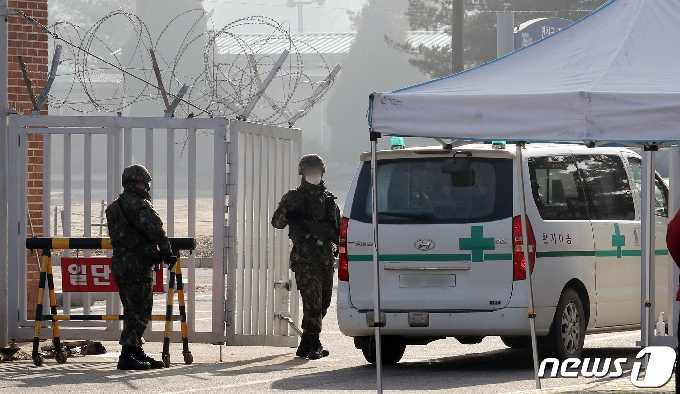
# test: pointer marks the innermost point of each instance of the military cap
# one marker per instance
(311, 160)
(136, 173)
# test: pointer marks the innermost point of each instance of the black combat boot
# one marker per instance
(316, 351)
(303, 348)
(127, 360)
(143, 357)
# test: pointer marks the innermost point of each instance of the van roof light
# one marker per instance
(397, 143)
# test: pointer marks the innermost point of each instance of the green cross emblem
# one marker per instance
(477, 244)
(618, 240)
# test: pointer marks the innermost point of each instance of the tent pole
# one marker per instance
(673, 206)
(377, 321)
(527, 265)
(648, 245)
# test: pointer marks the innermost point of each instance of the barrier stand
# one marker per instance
(46, 278)
(176, 276)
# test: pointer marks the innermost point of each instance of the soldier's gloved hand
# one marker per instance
(317, 230)
(157, 260)
(295, 216)
(170, 261)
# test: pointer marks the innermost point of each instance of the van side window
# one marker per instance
(608, 191)
(660, 190)
(660, 198)
(556, 187)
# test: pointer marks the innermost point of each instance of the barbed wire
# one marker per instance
(386, 9)
(238, 78)
(103, 72)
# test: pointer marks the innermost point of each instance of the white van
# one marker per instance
(451, 260)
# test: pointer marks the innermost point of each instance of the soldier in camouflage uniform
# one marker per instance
(313, 220)
(139, 242)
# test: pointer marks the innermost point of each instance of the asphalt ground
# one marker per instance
(450, 368)
(444, 366)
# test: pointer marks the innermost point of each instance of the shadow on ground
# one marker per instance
(489, 368)
(480, 369)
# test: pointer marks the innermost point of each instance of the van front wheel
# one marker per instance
(569, 326)
(392, 349)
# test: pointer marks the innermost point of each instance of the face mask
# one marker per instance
(314, 179)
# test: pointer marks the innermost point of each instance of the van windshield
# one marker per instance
(422, 191)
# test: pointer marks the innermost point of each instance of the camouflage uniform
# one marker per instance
(136, 233)
(311, 258)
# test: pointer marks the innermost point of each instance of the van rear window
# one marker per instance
(424, 191)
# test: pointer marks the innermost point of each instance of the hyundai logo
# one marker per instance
(424, 245)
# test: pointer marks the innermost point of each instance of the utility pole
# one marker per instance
(457, 20)
(505, 33)
(300, 4)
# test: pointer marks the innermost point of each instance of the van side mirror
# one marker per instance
(461, 173)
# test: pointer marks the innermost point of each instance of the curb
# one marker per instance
(203, 262)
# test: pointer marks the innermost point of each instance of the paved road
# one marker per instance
(442, 366)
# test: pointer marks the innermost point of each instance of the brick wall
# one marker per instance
(26, 40)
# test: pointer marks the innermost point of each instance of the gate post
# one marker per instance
(220, 232)
(4, 293)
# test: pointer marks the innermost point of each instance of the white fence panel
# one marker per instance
(83, 161)
(252, 167)
(261, 288)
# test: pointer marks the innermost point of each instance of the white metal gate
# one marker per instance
(252, 166)
(261, 291)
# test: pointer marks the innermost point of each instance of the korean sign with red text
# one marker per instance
(93, 274)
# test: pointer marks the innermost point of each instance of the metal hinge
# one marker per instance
(226, 318)
(286, 284)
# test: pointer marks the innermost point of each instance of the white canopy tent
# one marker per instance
(611, 77)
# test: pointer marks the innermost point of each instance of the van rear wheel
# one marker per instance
(569, 326)
(392, 349)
